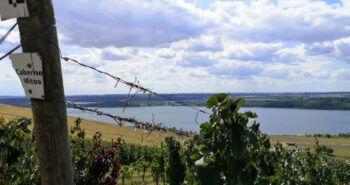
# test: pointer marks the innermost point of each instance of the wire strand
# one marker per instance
(7, 33)
(134, 85)
(10, 52)
(37, 33)
(143, 124)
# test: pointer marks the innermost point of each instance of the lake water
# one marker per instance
(275, 121)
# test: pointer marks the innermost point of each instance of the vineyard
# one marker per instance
(230, 149)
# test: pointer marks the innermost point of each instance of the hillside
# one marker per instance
(109, 131)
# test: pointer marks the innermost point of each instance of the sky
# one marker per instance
(194, 46)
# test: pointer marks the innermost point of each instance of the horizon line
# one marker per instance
(281, 92)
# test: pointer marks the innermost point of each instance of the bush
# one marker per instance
(93, 164)
(227, 143)
(18, 162)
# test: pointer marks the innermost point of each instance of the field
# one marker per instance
(341, 146)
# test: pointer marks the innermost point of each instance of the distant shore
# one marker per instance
(320, 101)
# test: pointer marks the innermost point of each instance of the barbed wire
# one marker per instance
(138, 124)
(7, 33)
(133, 85)
(10, 52)
(146, 125)
(37, 33)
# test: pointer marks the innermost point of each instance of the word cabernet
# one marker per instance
(29, 72)
(32, 73)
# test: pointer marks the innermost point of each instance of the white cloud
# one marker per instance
(204, 43)
(236, 70)
(114, 54)
(298, 20)
(341, 74)
(265, 52)
(196, 60)
(165, 53)
(12, 38)
(129, 23)
(343, 49)
(7, 23)
(319, 48)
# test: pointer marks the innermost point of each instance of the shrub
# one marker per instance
(93, 164)
(227, 143)
(18, 162)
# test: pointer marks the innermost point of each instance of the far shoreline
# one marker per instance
(311, 101)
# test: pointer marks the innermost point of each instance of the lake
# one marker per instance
(273, 121)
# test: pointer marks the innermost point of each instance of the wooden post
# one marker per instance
(50, 116)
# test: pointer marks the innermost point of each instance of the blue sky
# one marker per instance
(175, 46)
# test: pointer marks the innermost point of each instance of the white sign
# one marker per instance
(13, 9)
(29, 69)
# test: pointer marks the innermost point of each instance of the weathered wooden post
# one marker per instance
(38, 34)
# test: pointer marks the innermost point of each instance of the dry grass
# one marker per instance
(341, 146)
(137, 179)
(109, 131)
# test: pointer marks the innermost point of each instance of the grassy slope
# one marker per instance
(341, 146)
(109, 131)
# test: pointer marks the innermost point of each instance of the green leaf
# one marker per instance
(215, 99)
(239, 102)
(13, 143)
(306, 176)
(205, 125)
(212, 101)
(195, 156)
